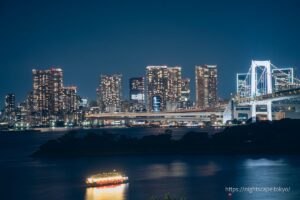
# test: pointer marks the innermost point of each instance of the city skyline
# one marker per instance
(51, 103)
(171, 73)
(127, 92)
(126, 88)
(149, 99)
(113, 37)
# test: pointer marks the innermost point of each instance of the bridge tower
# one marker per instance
(261, 84)
(255, 89)
(265, 79)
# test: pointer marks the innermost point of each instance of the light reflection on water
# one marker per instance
(209, 169)
(193, 177)
(115, 192)
(180, 169)
(263, 173)
(156, 171)
(263, 162)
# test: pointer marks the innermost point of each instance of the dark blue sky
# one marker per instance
(87, 38)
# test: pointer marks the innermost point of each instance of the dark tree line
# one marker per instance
(277, 137)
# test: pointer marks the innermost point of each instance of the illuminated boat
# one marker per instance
(104, 179)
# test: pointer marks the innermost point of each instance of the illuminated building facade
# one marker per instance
(30, 108)
(137, 89)
(283, 79)
(22, 117)
(206, 86)
(185, 93)
(157, 87)
(10, 103)
(174, 84)
(136, 101)
(242, 87)
(156, 104)
(110, 93)
(98, 96)
(47, 94)
(10, 107)
(84, 102)
(70, 104)
(30, 102)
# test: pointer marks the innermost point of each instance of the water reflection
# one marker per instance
(156, 171)
(209, 169)
(263, 173)
(178, 169)
(115, 192)
(263, 162)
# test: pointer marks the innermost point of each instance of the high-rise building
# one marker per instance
(157, 87)
(136, 101)
(30, 102)
(283, 79)
(110, 93)
(70, 103)
(185, 93)
(22, 117)
(48, 94)
(242, 86)
(174, 84)
(98, 96)
(206, 86)
(84, 102)
(10, 103)
(10, 107)
(185, 89)
(137, 89)
(56, 90)
(30, 108)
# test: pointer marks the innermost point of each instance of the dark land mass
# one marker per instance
(265, 137)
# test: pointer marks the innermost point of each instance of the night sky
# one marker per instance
(87, 38)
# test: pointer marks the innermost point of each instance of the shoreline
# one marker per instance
(277, 137)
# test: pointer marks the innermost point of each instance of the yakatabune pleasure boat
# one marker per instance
(109, 178)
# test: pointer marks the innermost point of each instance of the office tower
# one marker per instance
(70, 102)
(84, 102)
(157, 87)
(56, 90)
(98, 96)
(22, 117)
(137, 89)
(206, 86)
(174, 84)
(185, 89)
(30, 102)
(283, 79)
(242, 85)
(47, 93)
(10, 108)
(136, 101)
(70, 105)
(174, 88)
(10, 103)
(185, 93)
(110, 92)
(30, 108)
